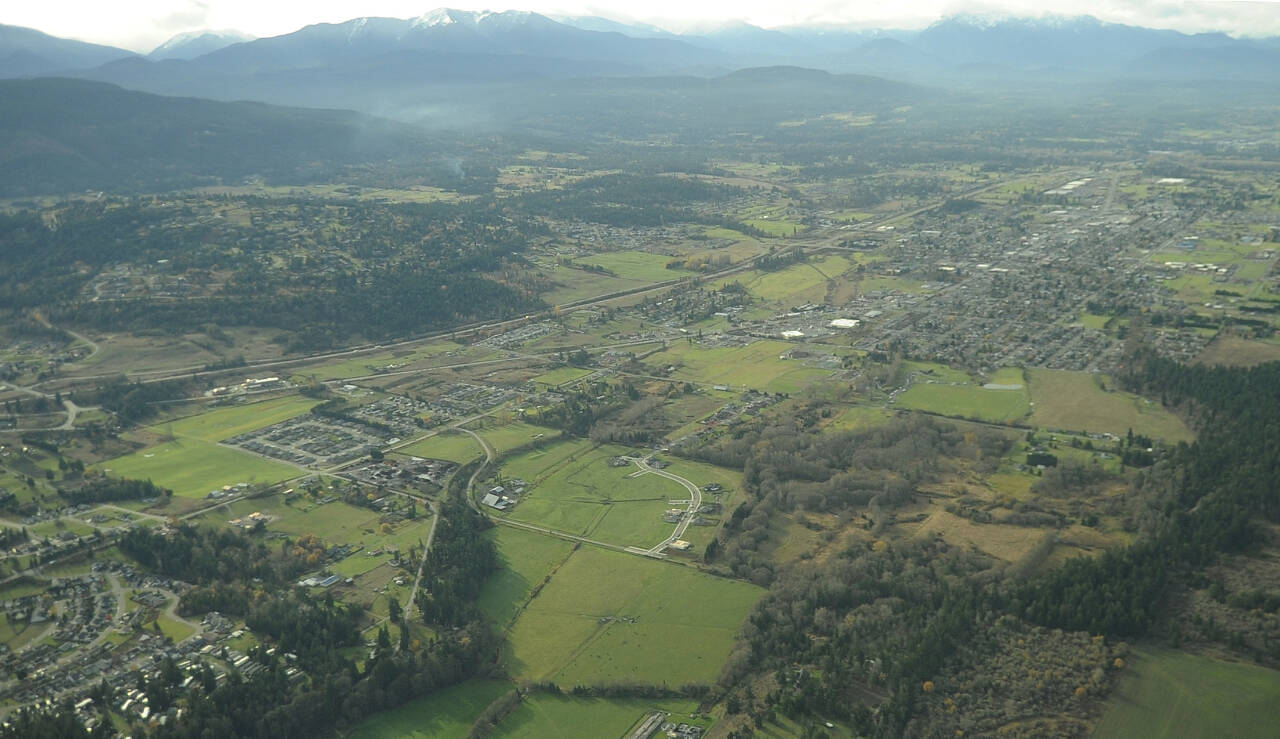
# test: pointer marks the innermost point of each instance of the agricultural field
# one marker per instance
(515, 435)
(756, 366)
(577, 284)
(224, 423)
(806, 281)
(1076, 401)
(647, 622)
(525, 560)
(193, 468)
(1173, 694)
(447, 714)
(1232, 350)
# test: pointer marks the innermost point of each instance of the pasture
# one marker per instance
(1235, 351)
(1075, 401)
(525, 559)
(647, 622)
(807, 280)
(516, 435)
(446, 714)
(192, 468)
(1172, 694)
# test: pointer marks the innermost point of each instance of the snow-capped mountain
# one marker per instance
(192, 44)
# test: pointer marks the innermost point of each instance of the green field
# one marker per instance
(450, 445)
(685, 622)
(224, 423)
(588, 497)
(525, 559)
(755, 366)
(447, 714)
(807, 280)
(636, 265)
(1171, 694)
(192, 468)
(971, 401)
(1075, 401)
(516, 435)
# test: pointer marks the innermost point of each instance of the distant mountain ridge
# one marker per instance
(380, 64)
(26, 51)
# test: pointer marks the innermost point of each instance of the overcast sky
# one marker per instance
(143, 24)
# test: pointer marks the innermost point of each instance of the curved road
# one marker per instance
(695, 502)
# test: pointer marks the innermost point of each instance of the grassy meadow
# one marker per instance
(647, 621)
(1173, 694)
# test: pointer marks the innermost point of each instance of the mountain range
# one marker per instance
(395, 67)
(1079, 43)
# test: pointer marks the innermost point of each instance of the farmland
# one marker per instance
(1170, 694)
(643, 620)
(1077, 401)
(447, 714)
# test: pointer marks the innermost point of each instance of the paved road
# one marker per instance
(695, 502)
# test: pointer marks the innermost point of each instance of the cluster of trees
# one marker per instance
(210, 554)
(459, 561)
(786, 469)
(135, 401)
(893, 618)
(111, 489)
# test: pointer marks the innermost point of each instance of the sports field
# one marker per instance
(647, 621)
(1075, 401)
(193, 468)
(1172, 694)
